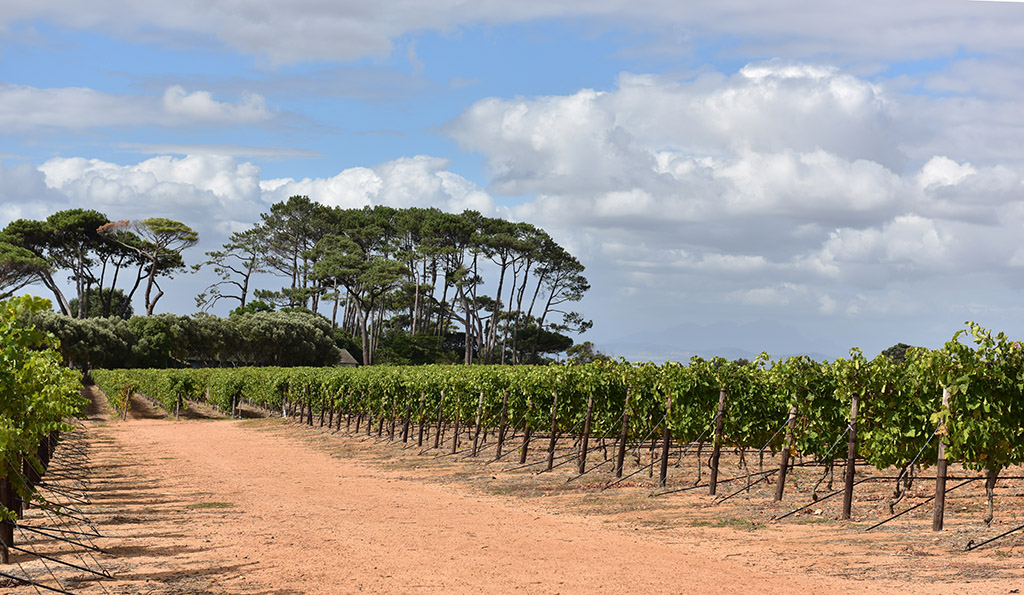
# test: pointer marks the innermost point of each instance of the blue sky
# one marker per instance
(732, 174)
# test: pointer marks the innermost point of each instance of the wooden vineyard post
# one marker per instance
(784, 464)
(405, 423)
(851, 456)
(586, 436)
(7, 498)
(716, 451)
(622, 436)
(391, 427)
(666, 442)
(440, 411)
(554, 433)
(502, 425)
(455, 433)
(939, 511)
(526, 442)
(394, 419)
(177, 407)
(476, 432)
(422, 424)
(284, 407)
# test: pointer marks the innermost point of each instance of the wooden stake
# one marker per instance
(503, 425)
(405, 424)
(422, 421)
(586, 436)
(526, 442)
(554, 433)
(455, 434)
(716, 451)
(939, 511)
(479, 414)
(437, 435)
(851, 459)
(784, 464)
(622, 436)
(666, 442)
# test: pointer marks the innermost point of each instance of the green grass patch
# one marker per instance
(202, 505)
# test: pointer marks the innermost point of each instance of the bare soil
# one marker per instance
(269, 506)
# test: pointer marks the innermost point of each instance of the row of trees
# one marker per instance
(408, 283)
(419, 272)
(173, 341)
(97, 254)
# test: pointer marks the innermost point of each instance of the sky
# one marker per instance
(736, 176)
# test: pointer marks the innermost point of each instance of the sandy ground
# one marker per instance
(265, 506)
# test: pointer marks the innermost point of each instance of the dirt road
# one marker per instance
(262, 506)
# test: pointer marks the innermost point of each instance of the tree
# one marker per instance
(103, 302)
(367, 279)
(242, 257)
(163, 239)
(19, 267)
(897, 353)
(291, 230)
(71, 244)
(585, 353)
(33, 237)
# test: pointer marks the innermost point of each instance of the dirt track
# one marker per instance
(262, 506)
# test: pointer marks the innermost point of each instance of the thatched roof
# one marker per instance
(346, 359)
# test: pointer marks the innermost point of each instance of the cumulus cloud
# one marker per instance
(25, 195)
(420, 181)
(26, 109)
(786, 185)
(213, 193)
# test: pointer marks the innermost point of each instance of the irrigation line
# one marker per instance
(636, 449)
(570, 456)
(821, 499)
(34, 583)
(61, 562)
(47, 533)
(777, 432)
(511, 450)
(974, 546)
(594, 468)
(590, 450)
(721, 481)
(765, 475)
(622, 479)
(679, 461)
(918, 505)
(919, 453)
(55, 489)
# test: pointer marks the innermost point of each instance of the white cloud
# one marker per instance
(25, 109)
(211, 193)
(420, 181)
(346, 30)
(200, 106)
(25, 195)
(783, 188)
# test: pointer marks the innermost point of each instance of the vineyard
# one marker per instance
(962, 404)
(39, 395)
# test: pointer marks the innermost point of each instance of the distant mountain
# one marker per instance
(730, 340)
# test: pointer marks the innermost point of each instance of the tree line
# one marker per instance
(400, 285)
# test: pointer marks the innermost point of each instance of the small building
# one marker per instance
(346, 360)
